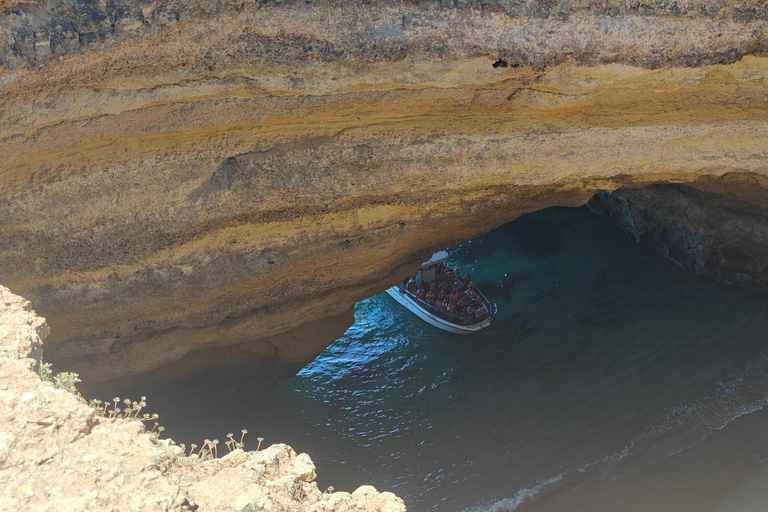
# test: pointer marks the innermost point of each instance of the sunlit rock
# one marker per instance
(212, 174)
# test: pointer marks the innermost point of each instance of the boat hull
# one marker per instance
(431, 319)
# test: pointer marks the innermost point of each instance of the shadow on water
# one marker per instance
(602, 355)
(506, 285)
(528, 236)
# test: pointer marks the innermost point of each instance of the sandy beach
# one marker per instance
(725, 473)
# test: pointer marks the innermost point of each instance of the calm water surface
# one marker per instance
(603, 357)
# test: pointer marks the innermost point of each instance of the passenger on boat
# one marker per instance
(439, 305)
(452, 310)
(420, 294)
(467, 280)
(442, 295)
(431, 298)
(411, 285)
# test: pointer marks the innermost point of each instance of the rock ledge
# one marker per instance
(57, 453)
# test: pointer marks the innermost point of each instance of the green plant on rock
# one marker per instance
(44, 371)
(66, 381)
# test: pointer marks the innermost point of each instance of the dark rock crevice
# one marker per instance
(707, 234)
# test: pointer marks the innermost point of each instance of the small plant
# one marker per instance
(206, 450)
(115, 409)
(67, 381)
(132, 409)
(209, 450)
(137, 407)
(231, 443)
(44, 371)
(259, 439)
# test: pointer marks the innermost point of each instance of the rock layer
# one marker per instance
(709, 235)
(240, 170)
(58, 454)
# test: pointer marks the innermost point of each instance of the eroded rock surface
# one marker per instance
(182, 176)
(57, 454)
(710, 235)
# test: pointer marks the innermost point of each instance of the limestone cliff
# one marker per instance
(706, 234)
(58, 454)
(177, 176)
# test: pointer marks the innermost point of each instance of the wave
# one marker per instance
(682, 427)
(689, 424)
(520, 497)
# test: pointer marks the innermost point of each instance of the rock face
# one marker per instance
(57, 454)
(274, 480)
(178, 176)
(707, 234)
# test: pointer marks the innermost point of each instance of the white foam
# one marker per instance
(690, 423)
(520, 497)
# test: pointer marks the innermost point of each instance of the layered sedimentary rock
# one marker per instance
(185, 176)
(707, 234)
(58, 454)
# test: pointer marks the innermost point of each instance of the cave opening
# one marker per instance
(604, 360)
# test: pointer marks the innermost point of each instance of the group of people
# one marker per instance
(449, 293)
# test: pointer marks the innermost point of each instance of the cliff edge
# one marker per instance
(179, 177)
(57, 453)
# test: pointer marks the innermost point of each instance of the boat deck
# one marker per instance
(438, 318)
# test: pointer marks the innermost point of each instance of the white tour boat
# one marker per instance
(458, 324)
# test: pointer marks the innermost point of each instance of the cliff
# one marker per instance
(187, 176)
(709, 235)
(58, 454)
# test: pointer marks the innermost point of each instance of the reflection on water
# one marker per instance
(603, 356)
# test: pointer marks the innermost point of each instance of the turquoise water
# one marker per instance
(603, 357)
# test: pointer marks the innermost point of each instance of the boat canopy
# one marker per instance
(435, 259)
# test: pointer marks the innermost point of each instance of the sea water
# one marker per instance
(602, 358)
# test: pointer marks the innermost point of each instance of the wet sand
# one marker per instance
(725, 473)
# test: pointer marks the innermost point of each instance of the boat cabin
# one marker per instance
(428, 270)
